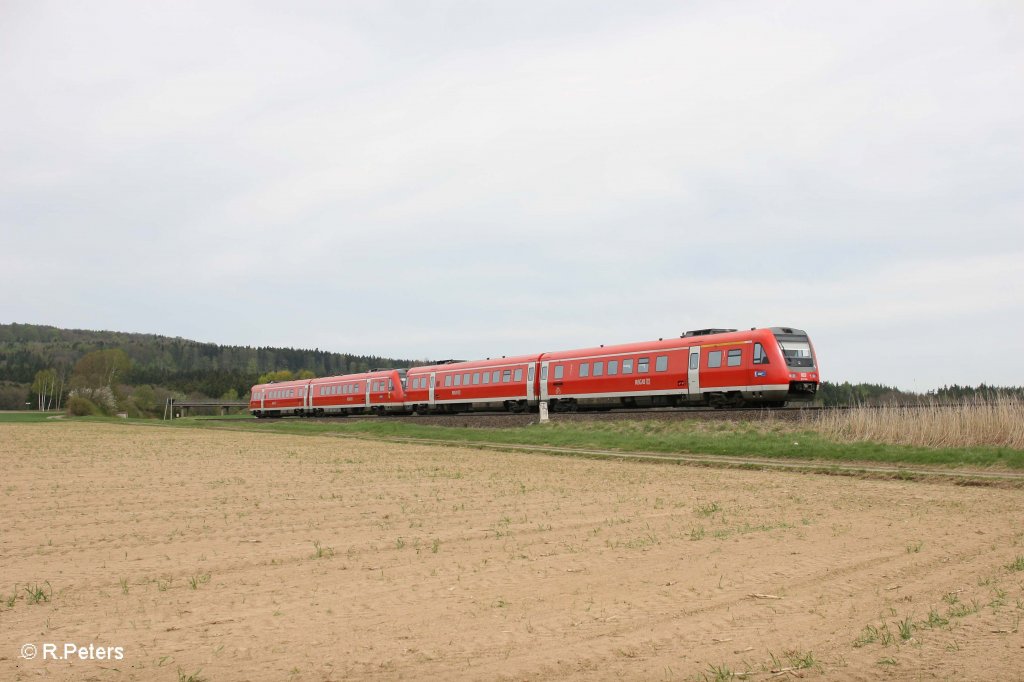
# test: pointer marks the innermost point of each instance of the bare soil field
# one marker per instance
(251, 556)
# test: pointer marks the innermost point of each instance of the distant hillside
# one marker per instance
(175, 363)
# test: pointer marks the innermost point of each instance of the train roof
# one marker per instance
(663, 344)
(476, 364)
(293, 383)
(375, 373)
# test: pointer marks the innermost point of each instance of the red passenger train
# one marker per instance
(718, 367)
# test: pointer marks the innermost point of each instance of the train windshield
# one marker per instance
(797, 352)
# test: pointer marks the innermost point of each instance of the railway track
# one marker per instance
(510, 420)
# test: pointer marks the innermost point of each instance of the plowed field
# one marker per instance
(249, 556)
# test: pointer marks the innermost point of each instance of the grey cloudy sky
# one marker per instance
(470, 179)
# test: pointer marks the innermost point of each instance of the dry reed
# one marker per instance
(997, 421)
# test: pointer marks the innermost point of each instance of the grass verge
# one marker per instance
(771, 440)
(26, 416)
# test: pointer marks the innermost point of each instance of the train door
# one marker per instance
(263, 399)
(544, 380)
(433, 378)
(530, 377)
(693, 375)
(369, 386)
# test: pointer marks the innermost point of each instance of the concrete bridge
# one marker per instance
(174, 409)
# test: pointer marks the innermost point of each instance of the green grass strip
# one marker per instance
(778, 441)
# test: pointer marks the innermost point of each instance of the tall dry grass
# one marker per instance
(997, 421)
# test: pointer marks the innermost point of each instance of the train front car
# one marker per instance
(800, 361)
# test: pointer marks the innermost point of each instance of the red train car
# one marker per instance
(279, 398)
(378, 391)
(498, 383)
(721, 367)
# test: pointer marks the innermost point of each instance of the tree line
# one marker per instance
(43, 365)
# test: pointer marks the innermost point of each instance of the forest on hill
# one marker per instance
(47, 367)
(164, 365)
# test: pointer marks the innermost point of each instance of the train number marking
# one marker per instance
(643, 382)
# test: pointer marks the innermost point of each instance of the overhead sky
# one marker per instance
(471, 179)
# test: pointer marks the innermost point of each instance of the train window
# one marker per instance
(613, 367)
(559, 371)
(529, 374)
(476, 378)
(734, 358)
(694, 360)
(506, 376)
(643, 365)
(465, 378)
(447, 379)
(497, 376)
(458, 379)
(584, 369)
(715, 358)
(487, 377)
(760, 357)
(518, 375)
(391, 384)
(661, 363)
(627, 366)
(598, 369)
(544, 373)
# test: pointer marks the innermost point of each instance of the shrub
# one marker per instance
(82, 407)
